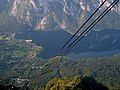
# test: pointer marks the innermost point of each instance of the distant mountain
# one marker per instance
(19, 64)
(63, 14)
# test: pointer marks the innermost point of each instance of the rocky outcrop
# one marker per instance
(50, 14)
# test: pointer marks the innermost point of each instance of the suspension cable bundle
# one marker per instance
(68, 46)
(87, 30)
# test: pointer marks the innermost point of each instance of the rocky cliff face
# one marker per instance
(52, 14)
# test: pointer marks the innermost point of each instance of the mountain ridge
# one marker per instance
(55, 14)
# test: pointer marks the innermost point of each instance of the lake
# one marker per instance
(52, 41)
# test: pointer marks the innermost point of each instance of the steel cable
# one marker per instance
(89, 28)
(80, 28)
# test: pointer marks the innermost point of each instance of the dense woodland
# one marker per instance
(75, 83)
(38, 72)
(20, 67)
